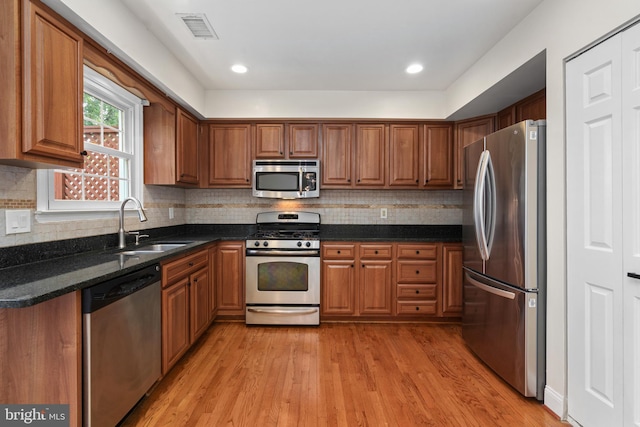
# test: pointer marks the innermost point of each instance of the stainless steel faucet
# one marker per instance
(121, 233)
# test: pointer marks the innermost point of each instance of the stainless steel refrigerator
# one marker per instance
(504, 236)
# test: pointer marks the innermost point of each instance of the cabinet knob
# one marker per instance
(376, 252)
(352, 265)
(417, 271)
(426, 181)
(417, 308)
(291, 153)
(83, 153)
(416, 181)
(417, 292)
(417, 252)
(281, 152)
(362, 265)
(338, 252)
(190, 264)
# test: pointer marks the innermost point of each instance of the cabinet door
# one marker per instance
(53, 87)
(160, 144)
(337, 152)
(303, 141)
(175, 323)
(186, 148)
(375, 287)
(437, 157)
(452, 279)
(469, 131)
(533, 107)
(230, 265)
(370, 155)
(338, 288)
(404, 155)
(230, 156)
(270, 141)
(199, 303)
(213, 288)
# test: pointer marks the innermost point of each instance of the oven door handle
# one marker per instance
(276, 252)
(290, 311)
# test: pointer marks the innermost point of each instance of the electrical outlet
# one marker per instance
(383, 213)
(18, 221)
(171, 214)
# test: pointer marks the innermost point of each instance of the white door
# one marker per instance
(631, 221)
(594, 236)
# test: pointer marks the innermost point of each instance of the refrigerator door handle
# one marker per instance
(479, 206)
(491, 206)
(495, 291)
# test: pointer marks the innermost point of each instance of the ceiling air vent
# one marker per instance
(199, 25)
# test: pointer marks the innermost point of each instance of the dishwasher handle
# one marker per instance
(108, 292)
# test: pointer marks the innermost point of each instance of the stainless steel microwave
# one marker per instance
(286, 179)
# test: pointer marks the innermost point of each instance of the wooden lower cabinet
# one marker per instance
(185, 304)
(41, 354)
(391, 281)
(356, 280)
(418, 279)
(230, 279)
(452, 279)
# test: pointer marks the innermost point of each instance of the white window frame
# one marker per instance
(49, 209)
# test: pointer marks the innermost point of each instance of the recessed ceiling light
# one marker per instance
(239, 68)
(414, 68)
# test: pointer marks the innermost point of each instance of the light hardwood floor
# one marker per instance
(338, 374)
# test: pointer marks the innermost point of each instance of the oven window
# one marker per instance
(277, 181)
(283, 276)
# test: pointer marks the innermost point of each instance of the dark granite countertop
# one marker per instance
(34, 273)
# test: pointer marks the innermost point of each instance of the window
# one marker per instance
(113, 142)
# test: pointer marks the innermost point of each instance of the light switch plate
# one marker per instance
(18, 221)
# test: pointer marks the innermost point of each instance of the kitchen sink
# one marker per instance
(153, 248)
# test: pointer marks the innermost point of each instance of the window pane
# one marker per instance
(96, 163)
(91, 108)
(112, 139)
(111, 115)
(68, 186)
(114, 190)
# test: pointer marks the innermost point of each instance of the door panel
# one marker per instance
(508, 149)
(631, 221)
(594, 236)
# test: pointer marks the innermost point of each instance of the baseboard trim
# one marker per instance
(555, 402)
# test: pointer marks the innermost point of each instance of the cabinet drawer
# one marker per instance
(376, 251)
(174, 270)
(417, 272)
(413, 308)
(338, 251)
(417, 291)
(417, 251)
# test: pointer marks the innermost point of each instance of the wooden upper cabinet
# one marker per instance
(230, 155)
(370, 155)
(337, 155)
(160, 144)
(404, 155)
(270, 141)
(41, 86)
(303, 141)
(467, 132)
(187, 148)
(533, 107)
(437, 156)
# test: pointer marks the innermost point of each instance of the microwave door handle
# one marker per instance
(300, 172)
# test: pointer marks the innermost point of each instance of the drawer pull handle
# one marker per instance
(633, 275)
(190, 264)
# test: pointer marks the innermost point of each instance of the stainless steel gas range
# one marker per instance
(283, 270)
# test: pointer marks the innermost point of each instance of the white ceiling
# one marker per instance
(332, 44)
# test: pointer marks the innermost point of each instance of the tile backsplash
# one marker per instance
(229, 206)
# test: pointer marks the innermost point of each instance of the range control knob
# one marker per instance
(265, 244)
(256, 243)
(299, 244)
(308, 244)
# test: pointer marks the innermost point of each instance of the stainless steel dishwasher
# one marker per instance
(121, 346)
